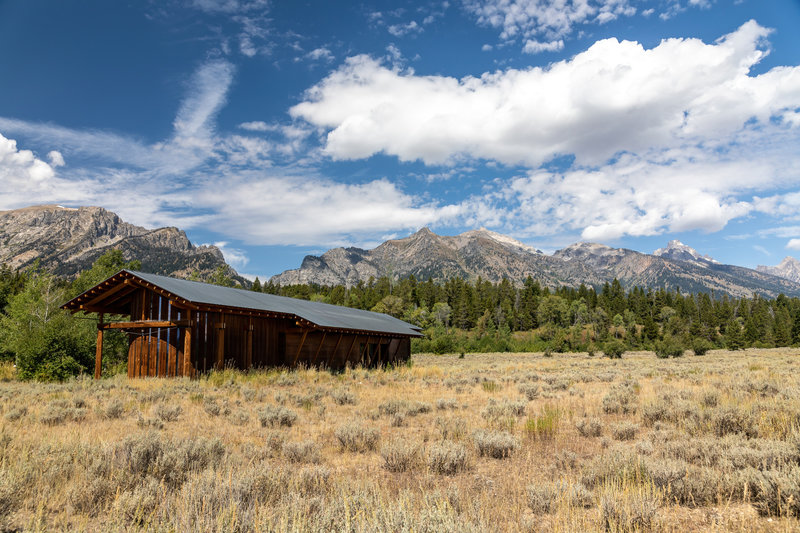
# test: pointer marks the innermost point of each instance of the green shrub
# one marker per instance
(614, 349)
(701, 346)
(148, 454)
(404, 408)
(669, 347)
(59, 412)
(544, 498)
(47, 342)
(239, 417)
(732, 419)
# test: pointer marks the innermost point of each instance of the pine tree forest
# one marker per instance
(480, 316)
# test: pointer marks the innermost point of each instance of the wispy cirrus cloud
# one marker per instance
(207, 94)
(191, 143)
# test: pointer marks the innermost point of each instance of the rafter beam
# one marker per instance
(143, 324)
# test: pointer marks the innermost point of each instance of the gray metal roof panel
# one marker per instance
(321, 314)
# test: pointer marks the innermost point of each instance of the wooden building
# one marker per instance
(182, 328)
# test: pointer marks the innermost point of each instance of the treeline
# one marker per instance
(480, 316)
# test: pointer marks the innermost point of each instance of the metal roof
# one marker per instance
(322, 314)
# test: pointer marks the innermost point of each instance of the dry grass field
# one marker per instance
(490, 442)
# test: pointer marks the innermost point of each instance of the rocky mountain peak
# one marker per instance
(68, 240)
(583, 250)
(504, 240)
(677, 251)
(789, 269)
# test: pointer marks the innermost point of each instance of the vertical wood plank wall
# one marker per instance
(275, 342)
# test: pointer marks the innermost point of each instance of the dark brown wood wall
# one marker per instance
(221, 340)
(155, 351)
(336, 350)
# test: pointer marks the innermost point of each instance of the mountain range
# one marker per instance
(492, 256)
(67, 241)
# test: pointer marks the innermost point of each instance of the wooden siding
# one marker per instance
(239, 340)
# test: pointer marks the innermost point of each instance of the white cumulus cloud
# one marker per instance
(233, 256)
(534, 47)
(635, 196)
(56, 159)
(21, 167)
(320, 54)
(399, 30)
(616, 96)
(257, 125)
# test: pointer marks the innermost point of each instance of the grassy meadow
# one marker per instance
(487, 442)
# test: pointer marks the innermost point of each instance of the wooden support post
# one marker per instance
(302, 341)
(187, 352)
(397, 347)
(98, 358)
(220, 363)
(321, 342)
(350, 350)
(248, 358)
(366, 350)
(331, 354)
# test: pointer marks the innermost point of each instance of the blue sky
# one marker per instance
(279, 129)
